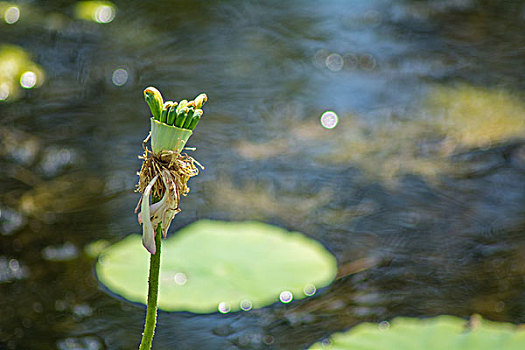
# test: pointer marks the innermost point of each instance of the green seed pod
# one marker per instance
(172, 114)
(181, 105)
(200, 100)
(198, 112)
(194, 122)
(165, 110)
(189, 121)
(154, 100)
(181, 118)
(187, 118)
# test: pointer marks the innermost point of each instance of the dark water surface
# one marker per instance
(421, 182)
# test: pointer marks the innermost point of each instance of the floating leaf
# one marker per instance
(226, 266)
(442, 332)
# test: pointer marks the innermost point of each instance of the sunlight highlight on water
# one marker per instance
(120, 77)
(224, 308)
(246, 305)
(98, 11)
(104, 14)
(28, 80)
(285, 297)
(334, 62)
(329, 120)
(180, 278)
(309, 290)
(12, 15)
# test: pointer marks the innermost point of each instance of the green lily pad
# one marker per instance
(442, 332)
(212, 266)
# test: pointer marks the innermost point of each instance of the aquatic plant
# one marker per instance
(163, 176)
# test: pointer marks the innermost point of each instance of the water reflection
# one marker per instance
(422, 176)
(309, 290)
(180, 278)
(246, 305)
(97, 11)
(224, 308)
(11, 270)
(286, 297)
(120, 77)
(17, 70)
(11, 14)
(67, 251)
(329, 120)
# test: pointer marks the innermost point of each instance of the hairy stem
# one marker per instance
(153, 292)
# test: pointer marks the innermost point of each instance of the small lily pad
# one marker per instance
(212, 266)
(442, 332)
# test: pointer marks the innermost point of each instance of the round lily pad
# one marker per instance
(212, 266)
(442, 332)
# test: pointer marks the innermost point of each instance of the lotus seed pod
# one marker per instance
(154, 100)
(172, 114)
(200, 100)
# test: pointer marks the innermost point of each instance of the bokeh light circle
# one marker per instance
(329, 120)
(104, 14)
(12, 15)
(120, 77)
(28, 80)
(286, 297)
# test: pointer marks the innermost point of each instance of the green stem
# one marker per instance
(153, 292)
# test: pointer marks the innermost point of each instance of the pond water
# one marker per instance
(417, 188)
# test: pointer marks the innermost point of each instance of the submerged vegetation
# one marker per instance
(421, 140)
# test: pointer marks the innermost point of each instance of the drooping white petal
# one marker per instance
(158, 209)
(155, 208)
(148, 231)
(162, 212)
